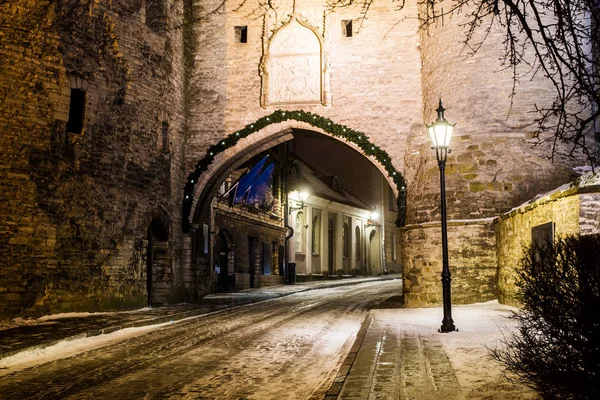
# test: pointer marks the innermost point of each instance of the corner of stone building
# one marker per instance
(74, 204)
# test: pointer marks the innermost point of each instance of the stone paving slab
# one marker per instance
(40, 333)
(390, 360)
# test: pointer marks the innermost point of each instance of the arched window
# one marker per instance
(298, 233)
(316, 235)
(346, 240)
(357, 243)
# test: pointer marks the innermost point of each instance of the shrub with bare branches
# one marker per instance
(556, 349)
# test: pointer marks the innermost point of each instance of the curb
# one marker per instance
(188, 314)
(338, 383)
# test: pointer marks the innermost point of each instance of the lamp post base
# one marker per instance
(447, 326)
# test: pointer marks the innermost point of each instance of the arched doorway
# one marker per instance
(279, 127)
(158, 262)
(374, 261)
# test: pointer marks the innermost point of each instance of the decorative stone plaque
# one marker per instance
(292, 68)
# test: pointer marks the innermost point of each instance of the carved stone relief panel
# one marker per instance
(292, 68)
(294, 65)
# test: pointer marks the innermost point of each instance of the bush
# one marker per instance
(556, 349)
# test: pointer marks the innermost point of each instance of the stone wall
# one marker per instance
(242, 224)
(572, 208)
(496, 163)
(370, 90)
(76, 207)
(386, 81)
(472, 260)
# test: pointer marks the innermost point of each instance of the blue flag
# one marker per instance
(261, 188)
(246, 181)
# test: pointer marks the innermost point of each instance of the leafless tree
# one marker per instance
(562, 36)
(559, 39)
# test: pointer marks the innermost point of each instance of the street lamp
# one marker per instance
(298, 196)
(373, 215)
(441, 132)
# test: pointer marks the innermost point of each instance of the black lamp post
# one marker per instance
(441, 132)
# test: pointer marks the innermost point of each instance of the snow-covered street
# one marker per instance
(287, 348)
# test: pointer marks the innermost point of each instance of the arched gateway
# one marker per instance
(264, 253)
(268, 131)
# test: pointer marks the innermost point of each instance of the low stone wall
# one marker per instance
(573, 208)
(472, 259)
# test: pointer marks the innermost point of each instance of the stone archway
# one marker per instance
(265, 133)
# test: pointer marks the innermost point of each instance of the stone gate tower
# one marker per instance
(119, 123)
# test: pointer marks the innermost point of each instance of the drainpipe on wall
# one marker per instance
(211, 243)
(290, 268)
(383, 262)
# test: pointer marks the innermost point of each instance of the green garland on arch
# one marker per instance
(350, 135)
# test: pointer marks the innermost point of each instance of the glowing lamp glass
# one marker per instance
(441, 133)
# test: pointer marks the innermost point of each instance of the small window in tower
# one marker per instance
(347, 28)
(156, 15)
(76, 111)
(165, 137)
(241, 34)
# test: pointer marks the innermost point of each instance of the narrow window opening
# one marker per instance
(241, 34)
(76, 111)
(156, 15)
(347, 28)
(165, 137)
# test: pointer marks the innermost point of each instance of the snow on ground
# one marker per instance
(69, 348)
(481, 326)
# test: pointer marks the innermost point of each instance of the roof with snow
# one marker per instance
(325, 186)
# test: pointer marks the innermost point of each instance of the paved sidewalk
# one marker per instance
(46, 331)
(399, 354)
(393, 361)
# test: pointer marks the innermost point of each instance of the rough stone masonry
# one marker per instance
(163, 80)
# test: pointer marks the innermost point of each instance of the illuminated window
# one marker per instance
(298, 233)
(316, 235)
(391, 199)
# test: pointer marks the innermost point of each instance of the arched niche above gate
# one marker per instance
(294, 68)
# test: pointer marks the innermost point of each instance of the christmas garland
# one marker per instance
(358, 138)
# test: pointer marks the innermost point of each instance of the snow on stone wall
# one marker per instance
(573, 208)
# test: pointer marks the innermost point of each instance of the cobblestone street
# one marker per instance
(316, 344)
